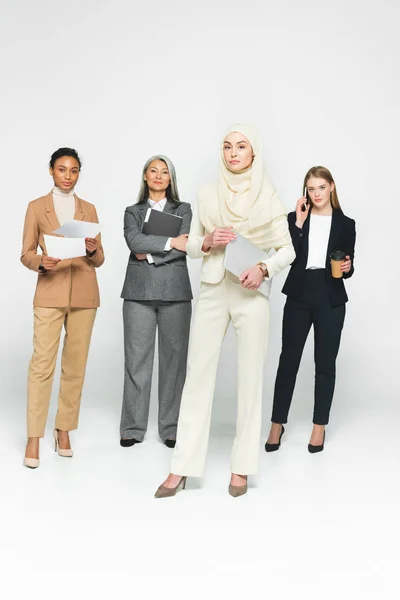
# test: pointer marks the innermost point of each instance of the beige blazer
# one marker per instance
(73, 282)
(213, 270)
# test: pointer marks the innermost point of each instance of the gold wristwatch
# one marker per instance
(264, 269)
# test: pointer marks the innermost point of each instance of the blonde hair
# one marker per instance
(322, 173)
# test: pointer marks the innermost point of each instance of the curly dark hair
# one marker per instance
(64, 152)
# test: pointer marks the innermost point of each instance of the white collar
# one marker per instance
(160, 203)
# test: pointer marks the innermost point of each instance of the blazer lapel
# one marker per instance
(52, 216)
(336, 228)
(169, 207)
(79, 210)
(306, 231)
(51, 213)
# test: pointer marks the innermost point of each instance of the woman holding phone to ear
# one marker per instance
(67, 295)
(316, 297)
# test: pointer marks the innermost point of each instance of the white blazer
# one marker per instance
(213, 270)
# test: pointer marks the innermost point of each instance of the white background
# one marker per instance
(120, 81)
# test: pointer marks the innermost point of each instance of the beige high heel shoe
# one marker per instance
(67, 453)
(166, 492)
(31, 463)
(237, 490)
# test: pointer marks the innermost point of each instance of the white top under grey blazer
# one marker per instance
(167, 277)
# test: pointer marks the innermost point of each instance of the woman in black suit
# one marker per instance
(314, 297)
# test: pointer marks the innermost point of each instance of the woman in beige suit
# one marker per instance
(66, 295)
(243, 201)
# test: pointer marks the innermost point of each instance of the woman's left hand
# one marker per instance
(91, 245)
(252, 278)
(346, 265)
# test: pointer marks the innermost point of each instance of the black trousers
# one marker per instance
(312, 308)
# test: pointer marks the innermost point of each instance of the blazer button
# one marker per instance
(301, 234)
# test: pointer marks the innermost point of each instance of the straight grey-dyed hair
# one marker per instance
(171, 192)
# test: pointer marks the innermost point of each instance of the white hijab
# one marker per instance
(261, 204)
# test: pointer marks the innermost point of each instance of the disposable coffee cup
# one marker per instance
(337, 258)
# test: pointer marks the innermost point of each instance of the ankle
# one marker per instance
(62, 434)
(239, 476)
(32, 448)
(317, 433)
(276, 428)
(33, 441)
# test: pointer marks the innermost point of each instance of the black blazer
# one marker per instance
(167, 278)
(342, 237)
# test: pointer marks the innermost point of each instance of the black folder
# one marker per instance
(161, 223)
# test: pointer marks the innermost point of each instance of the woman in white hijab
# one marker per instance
(243, 201)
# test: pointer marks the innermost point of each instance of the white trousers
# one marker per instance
(217, 305)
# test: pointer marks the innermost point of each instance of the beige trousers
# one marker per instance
(217, 305)
(48, 323)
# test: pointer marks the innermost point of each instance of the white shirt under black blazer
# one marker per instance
(342, 236)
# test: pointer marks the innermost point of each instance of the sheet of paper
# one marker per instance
(242, 254)
(79, 229)
(58, 247)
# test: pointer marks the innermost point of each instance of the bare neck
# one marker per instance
(324, 212)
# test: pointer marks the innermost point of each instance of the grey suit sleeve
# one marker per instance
(165, 257)
(137, 242)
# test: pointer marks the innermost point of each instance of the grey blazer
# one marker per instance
(168, 278)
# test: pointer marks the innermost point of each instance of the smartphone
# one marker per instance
(304, 206)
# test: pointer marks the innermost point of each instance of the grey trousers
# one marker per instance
(140, 323)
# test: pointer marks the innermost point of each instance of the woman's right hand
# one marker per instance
(219, 237)
(180, 242)
(301, 215)
(49, 263)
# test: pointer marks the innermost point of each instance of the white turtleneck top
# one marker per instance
(64, 205)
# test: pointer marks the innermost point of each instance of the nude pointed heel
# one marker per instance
(166, 492)
(65, 452)
(31, 463)
(237, 490)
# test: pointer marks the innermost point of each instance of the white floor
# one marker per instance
(312, 526)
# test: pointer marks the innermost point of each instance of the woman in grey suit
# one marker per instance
(156, 293)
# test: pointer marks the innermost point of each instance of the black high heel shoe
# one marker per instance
(274, 447)
(315, 449)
